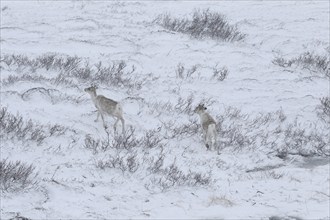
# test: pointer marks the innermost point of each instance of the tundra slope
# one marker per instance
(78, 189)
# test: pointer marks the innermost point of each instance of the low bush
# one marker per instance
(72, 67)
(319, 64)
(182, 105)
(269, 132)
(15, 127)
(218, 73)
(203, 24)
(323, 110)
(127, 141)
(16, 176)
(172, 176)
(127, 162)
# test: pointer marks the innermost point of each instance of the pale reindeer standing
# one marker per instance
(208, 126)
(106, 106)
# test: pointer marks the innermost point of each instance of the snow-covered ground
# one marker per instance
(244, 180)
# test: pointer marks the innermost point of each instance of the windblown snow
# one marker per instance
(266, 93)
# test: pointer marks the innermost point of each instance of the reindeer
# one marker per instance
(106, 106)
(208, 125)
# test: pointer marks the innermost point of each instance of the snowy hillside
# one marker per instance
(262, 68)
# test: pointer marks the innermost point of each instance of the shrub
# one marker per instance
(12, 79)
(128, 162)
(182, 105)
(268, 131)
(180, 71)
(172, 176)
(114, 74)
(152, 139)
(156, 164)
(127, 141)
(220, 74)
(126, 151)
(183, 73)
(202, 24)
(46, 61)
(174, 130)
(27, 77)
(185, 105)
(94, 144)
(323, 109)
(16, 176)
(274, 217)
(308, 60)
(15, 127)
(297, 141)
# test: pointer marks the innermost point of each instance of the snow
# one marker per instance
(71, 186)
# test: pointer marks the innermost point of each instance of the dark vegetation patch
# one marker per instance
(202, 24)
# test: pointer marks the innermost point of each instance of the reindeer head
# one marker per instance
(91, 90)
(200, 108)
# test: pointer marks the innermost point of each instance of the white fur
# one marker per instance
(211, 136)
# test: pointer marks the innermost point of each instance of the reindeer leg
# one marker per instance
(205, 139)
(208, 142)
(211, 138)
(215, 139)
(115, 126)
(104, 124)
(123, 124)
(97, 117)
